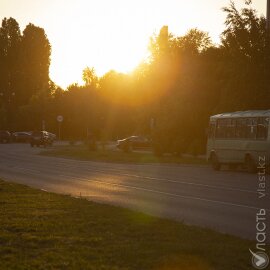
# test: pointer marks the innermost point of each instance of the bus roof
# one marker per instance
(258, 113)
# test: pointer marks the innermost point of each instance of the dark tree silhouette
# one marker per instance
(35, 58)
(10, 41)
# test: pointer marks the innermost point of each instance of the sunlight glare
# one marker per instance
(116, 40)
(114, 35)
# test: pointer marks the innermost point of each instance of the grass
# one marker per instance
(81, 152)
(41, 230)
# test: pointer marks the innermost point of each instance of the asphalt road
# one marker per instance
(226, 201)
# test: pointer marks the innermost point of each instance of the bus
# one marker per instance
(239, 138)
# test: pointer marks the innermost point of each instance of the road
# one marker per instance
(225, 201)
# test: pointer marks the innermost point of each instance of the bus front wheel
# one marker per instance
(215, 162)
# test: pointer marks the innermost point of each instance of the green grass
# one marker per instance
(81, 152)
(40, 230)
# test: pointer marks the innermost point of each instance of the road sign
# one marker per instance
(60, 118)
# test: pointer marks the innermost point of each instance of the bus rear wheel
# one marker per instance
(215, 162)
(250, 164)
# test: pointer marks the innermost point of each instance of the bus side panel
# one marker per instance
(257, 149)
(230, 151)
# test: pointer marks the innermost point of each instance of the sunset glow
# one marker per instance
(111, 34)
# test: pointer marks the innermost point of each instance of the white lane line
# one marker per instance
(177, 182)
(26, 169)
(158, 192)
(164, 193)
(117, 172)
(190, 183)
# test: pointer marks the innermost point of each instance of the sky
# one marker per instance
(112, 34)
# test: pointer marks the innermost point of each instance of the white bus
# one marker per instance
(239, 138)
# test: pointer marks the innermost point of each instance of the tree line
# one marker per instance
(168, 97)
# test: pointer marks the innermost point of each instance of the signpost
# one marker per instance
(59, 119)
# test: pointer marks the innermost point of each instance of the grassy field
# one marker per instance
(40, 230)
(81, 152)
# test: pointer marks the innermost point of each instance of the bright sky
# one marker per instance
(112, 34)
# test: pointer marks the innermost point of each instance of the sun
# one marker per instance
(120, 55)
(106, 35)
(110, 45)
(120, 50)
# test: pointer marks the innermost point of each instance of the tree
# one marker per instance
(244, 43)
(89, 77)
(10, 38)
(24, 68)
(245, 34)
(35, 60)
(194, 41)
(178, 84)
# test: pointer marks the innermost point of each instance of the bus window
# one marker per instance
(262, 129)
(221, 128)
(212, 127)
(226, 128)
(230, 129)
(241, 125)
(251, 128)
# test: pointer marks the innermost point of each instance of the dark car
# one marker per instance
(21, 136)
(133, 143)
(5, 136)
(40, 138)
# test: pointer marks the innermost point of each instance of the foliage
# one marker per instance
(24, 68)
(246, 56)
(168, 97)
(89, 76)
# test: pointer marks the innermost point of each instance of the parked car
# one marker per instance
(40, 138)
(21, 136)
(5, 136)
(133, 143)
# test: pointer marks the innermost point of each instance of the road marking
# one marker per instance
(165, 193)
(191, 183)
(62, 164)
(27, 169)
(117, 172)
(180, 182)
